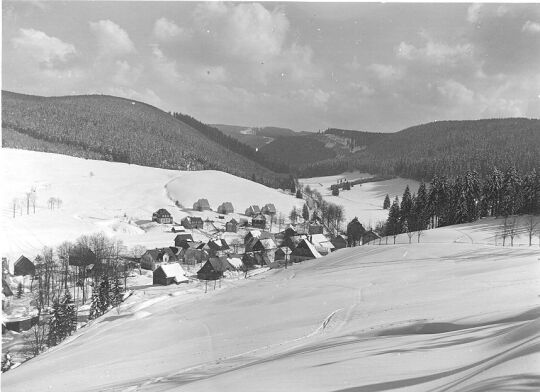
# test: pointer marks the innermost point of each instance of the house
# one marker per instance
(269, 209)
(249, 260)
(340, 241)
(165, 274)
(236, 263)
(178, 229)
(23, 266)
(289, 232)
(292, 242)
(322, 244)
(225, 208)
(154, 257)
(231, 226)
(258, 221)
(193, 222)
(264, 260)
(201, 205)
(213, 269)
(81, 255)
(369, 236)
(216, 247)
(182, 240)
(304, 251)
(253, 210)
(282, 253)
(162, 216)
(264, 245)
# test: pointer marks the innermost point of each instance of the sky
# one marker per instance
(306, 66)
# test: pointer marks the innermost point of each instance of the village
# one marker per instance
(206, 248)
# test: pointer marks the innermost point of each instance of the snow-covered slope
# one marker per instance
(115, 198)
(441, 315)
(364, 201)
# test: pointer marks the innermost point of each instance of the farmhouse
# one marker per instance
(269, 209)
(182, 240)
(154, 257)
(165, 274)
(225, 208)
(258, 221)
(23, 266)
(340, 241)
(162, 216)
(304, 251)
(193, 222)
(216, 247)
(201, 205)
(253, 210)
(231, 226)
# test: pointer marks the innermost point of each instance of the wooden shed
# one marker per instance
(23, 266)
(166, 274)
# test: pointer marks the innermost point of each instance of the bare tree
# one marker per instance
(28, 197)
(15, 204)
(504, 230)
(38, 337)
(33, 199)
(531, 226)
(512, 230)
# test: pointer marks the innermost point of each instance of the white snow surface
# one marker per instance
(442, 315)
(363, 201)
(115, 198)
(174, 270)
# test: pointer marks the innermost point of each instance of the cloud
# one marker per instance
(126, 74)
(166, 30)
(531, 27)
(42, 48)
(455, 92)
(213, 74)
(385, 72)
(436, 52)
(112, 39)
(473, 12)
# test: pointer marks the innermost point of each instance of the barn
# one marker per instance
(258, 221)
(231, 226)
(253, 210)
(304, 251)
(193, 222)
(162, 216)
(202, 205)
(225, 208)
(23, 266)
(166, 274)
(269, 209)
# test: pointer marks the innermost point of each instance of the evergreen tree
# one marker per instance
(55, 325)
(117, 292)
(421, 207)
(298, 194)
(95, 303)
(69, 320)
(493, 190)
(104, 294)
(355, 231)
(511, 192)
(393, 223)
(406, 205)
(386, 203)
(293, 215)
(305, 212)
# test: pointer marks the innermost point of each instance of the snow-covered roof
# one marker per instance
(268, 243)
(319, 240)
(235, 262)
(174, 270)
(305, 244)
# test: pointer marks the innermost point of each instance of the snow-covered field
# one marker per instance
(115, 198)
(363, 200)
(448, 314)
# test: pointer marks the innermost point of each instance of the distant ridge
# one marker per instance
(121, 130)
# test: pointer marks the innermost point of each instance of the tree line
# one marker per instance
(462, 199)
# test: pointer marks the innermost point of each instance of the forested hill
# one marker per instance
(121, 130)
(444, 148)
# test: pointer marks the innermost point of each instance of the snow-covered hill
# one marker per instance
(443, 315)
(115, 198)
